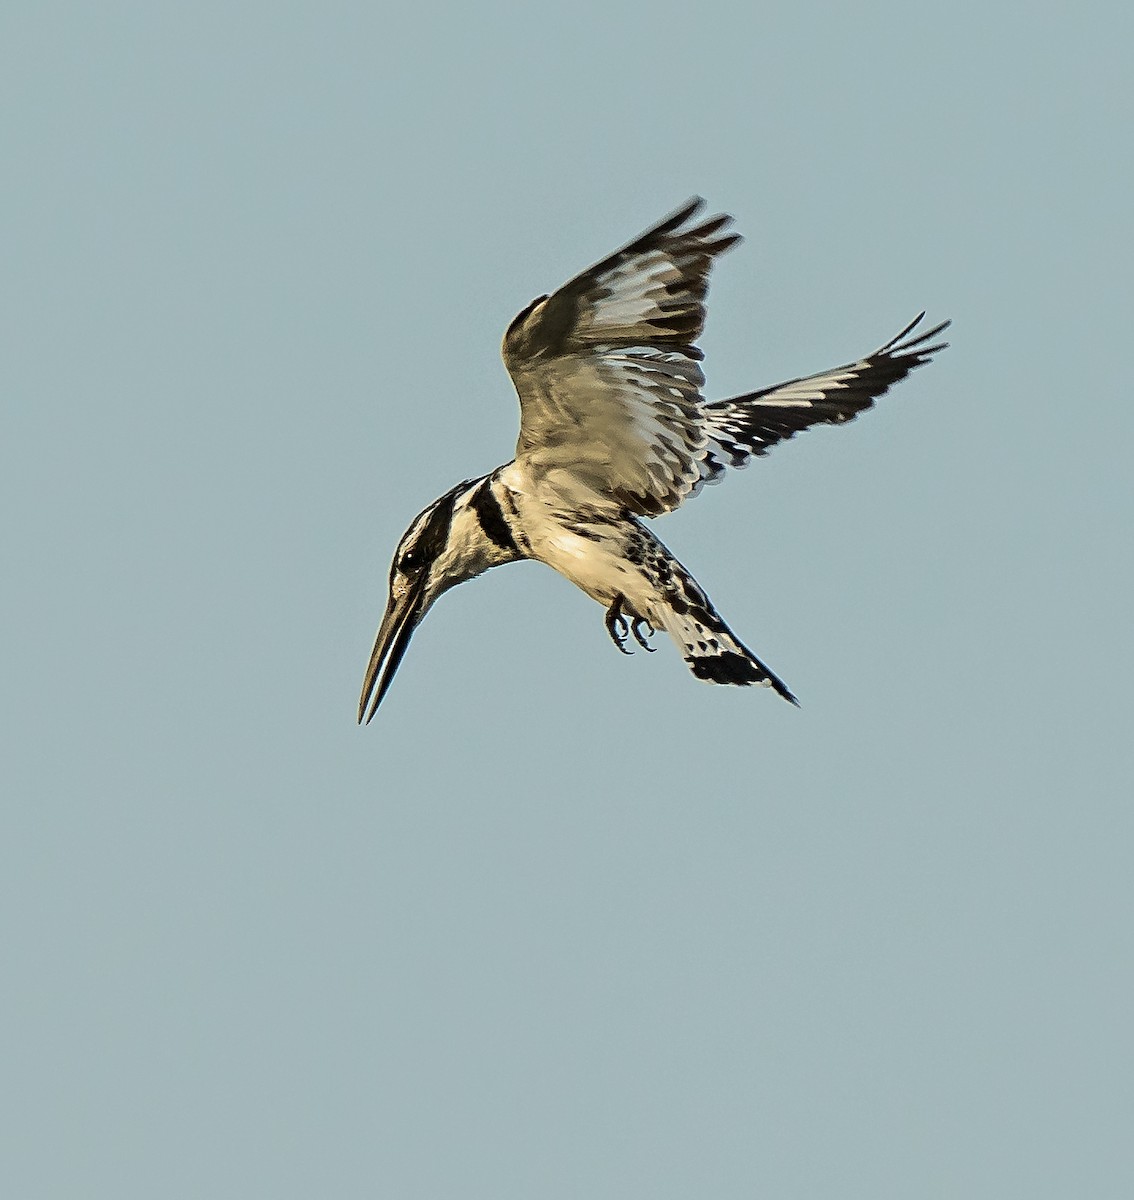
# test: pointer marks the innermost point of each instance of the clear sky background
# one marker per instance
(561, 923)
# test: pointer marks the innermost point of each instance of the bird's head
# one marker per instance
(444, 545)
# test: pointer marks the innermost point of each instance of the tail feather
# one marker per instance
(738, 666)
(711, 649)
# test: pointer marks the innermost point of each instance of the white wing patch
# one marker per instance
(630, 295)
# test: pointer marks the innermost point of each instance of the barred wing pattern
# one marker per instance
(608, 373)
(750, 425)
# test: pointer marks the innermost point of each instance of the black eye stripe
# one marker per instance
(434, 533)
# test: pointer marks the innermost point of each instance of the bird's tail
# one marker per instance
(711, 649)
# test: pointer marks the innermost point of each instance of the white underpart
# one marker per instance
(596, 564)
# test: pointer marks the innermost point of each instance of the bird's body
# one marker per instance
(614, 429)
(619, 562)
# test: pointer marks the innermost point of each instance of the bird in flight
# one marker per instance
(613, 428)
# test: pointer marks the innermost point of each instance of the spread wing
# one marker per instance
(749, 425)
(608, 374)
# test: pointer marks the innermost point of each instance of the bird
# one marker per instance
(614, 430)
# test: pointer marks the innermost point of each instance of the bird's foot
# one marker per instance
(621, 622)
(616, 625)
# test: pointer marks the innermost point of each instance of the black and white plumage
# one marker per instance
(614, 428)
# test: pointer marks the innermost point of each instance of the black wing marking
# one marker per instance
(751, 424)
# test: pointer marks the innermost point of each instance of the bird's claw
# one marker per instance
(620, 628)
(639, 637)
(617, 626)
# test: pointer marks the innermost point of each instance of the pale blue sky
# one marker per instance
(561, 923)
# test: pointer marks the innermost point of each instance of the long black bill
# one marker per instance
(389, 649)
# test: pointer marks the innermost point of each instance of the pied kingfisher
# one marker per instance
(613, 428)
